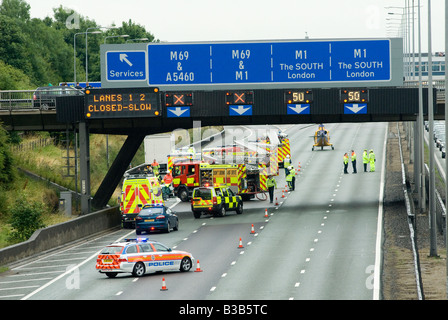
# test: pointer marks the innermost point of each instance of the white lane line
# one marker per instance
(69, 271)
(379, 231)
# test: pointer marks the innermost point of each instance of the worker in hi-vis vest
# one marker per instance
(353, 158)
(291, 178)
(286, 164)
(345, 159)
(365, 159)
(372, 160)
(271, 184)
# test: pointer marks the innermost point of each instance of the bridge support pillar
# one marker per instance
(84, 154)
(116, 170)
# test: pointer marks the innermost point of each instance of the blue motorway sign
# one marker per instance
(178, 112)
(126, 65)
(269, 62)
(298, 108)
(240, 110)
(355, 108)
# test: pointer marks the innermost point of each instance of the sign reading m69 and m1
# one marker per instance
(122, 103)
(254, 65)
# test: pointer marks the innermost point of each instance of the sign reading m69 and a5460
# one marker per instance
(254, 65)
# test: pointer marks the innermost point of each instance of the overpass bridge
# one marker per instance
(174, 110)
(17, 112)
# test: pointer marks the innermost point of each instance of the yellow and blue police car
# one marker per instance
(140, 256)
(215, 200)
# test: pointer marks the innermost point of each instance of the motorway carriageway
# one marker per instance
(320, 242)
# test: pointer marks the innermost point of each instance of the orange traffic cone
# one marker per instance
(163, 285)
(252, 231)
(198, 267)
(276, 201)
(283, 193)
(240, 245)
(266, 213)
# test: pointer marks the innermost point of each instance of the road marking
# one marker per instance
(119, 293)
(212, 289)
(93, 256)
(379, 231)
(26, 287)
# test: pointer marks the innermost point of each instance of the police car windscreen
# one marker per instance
(203, 193)
(151, 211)
(112, 250)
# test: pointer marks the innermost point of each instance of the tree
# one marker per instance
(25, 218)
(16, 9)
(13, 79)
(7, 172)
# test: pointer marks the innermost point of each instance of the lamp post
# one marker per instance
(432, 200)
(87, 59)
(137, 39)
(120, 36)
(446, 137)
(74, 51)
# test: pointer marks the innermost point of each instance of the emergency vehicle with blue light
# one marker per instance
(140, 256)
(246, 180)
(140, 187)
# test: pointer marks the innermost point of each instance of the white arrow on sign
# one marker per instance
(124, 57)
(298, 107)
(240, 110)
(355, 108)
(178, 111)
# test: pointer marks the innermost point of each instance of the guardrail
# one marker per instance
(15, 100)
(438, 84)
(411, 221)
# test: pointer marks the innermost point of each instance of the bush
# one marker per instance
(26, 217)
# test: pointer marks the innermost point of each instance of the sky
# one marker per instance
(235, 20)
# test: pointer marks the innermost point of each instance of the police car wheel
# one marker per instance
(176, 227)
(111, 274)
(222, 212)
(185, 264)
(168, 228)
(139, 269)
(197, 214)
(239, 209)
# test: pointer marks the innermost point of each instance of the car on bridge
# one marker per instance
(140, 256)
(44, 98)
(156, 217)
